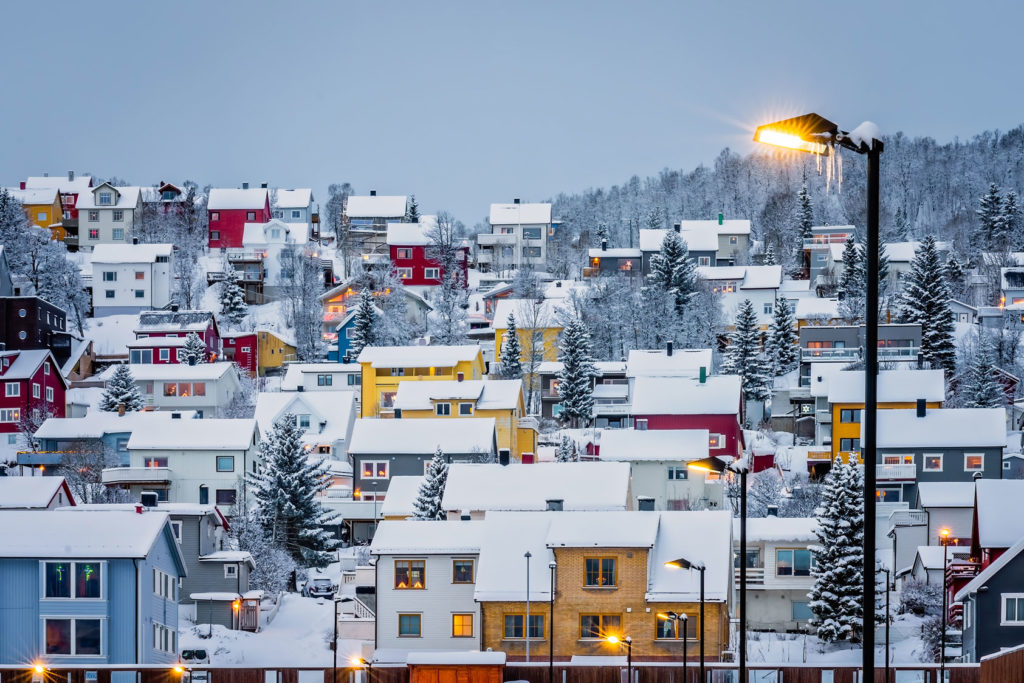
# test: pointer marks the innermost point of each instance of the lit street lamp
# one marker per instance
(683, 563)
(672, 616)
(628, 642)
(526, 626)
(359, 661)
(944, 534)
(817, 135)
(552, 565)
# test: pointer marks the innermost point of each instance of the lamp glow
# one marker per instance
(614, 640)
(789, 141)
(179, 669)
(39, 668)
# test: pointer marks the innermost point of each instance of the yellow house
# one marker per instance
(500, 399)
(273, 351)
(43, 209)
(385, 367)
(896, 389)
(537, 325)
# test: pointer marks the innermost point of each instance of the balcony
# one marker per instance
(755, 576)
(822, 241)
(901, 472)
(830, 355)
(247, 255)
(820, 456)
(908, 518)
(492, 240)
(893, 353)
(823, 416)
(114, 476)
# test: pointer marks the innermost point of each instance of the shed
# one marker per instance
(464, 667)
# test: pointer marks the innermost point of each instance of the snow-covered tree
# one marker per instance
(602, 233)
(852, 280)
(286, 495)
(743, 355)
(566, 450)
(363, 325)
(428, 501)
(511, 366)
(576, 378)
(122, 390)
(954, 272)
(770, 259)
(925, 300)
(392, 326)
(835, 600)
(193, 351)
(232, 299)
(448, 322)
(274, 567)
(804, 212)
(61, 284)
(673, 271)
(302, 283)
(412, 211)
(782, 348)
(980, 388)
(883, 270)
(900, 231)
(1011, 219)
(992, 229)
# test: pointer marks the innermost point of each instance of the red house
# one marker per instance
(243, 349)
(408, 244)
(29, 381)
(159, 350)
(177, 325)
(230, 210)
(689, 403)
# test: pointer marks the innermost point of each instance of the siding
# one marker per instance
(155, 608)
(19, 606)
(121, 629)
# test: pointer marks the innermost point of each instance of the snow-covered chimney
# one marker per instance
(460, 376)
(604, 245)
(668, 348)
(138, 508)
(120, 409)
(677, 227)
(645, 503)
(245, 186)
(71, 175)
(373, 193)
(555, 504)
(922, 407)
(516, 200)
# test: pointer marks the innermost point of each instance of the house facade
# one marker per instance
(129, 278)
(43, 209)
(409, 246)
(701, 247)
(705, 403)
(519, 236)
(229, 210)
(326, 418)
(178, 324)
(538, 325)
(32, 388)
(107, 214)
(385, 367)
(780, 568)
(323, 377)
(70, 187)
(28, 322)
(993, 606)
(205, 388)
(293, 206)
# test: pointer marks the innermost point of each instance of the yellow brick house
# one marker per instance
(384, 368)
(538, 324)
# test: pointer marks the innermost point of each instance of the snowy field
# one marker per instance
(785, 648)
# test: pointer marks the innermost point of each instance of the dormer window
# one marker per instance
(106, 198)
(275, 234)
(168, 195)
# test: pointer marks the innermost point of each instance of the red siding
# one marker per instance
(247, 360)
(209, 335)
(729, 425)
(231, 223)
(419, 263)
(24, 400)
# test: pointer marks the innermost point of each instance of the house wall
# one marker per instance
(243, 350)
(230, 224)
(198, 538)
(192, 469)
(378, 380)
(506, 425)
(25, 400)
(155, 608)
(727, 425)
(104, 225)
(952, 471)
(649, 478)
(155, 286)
(272, 352)
(401, 464)
(219, 393)
(548, 343)
(731, 248)
(419, 262)
(340, 379)
(851, 430)
(39, 323)
(986, 635)
(770, 603)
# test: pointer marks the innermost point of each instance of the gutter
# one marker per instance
(138, 612)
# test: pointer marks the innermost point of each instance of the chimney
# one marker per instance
(773, 511)
(245, 186)
(555, 504)
(373, 193)
(678, 227)
(604, 245)
(668, 348)
(71, 175)
(46, 174)
(465, 517)
(138, 508)
(460, 376)
(135, 240)
(922, 407)
(645, 503)
(21, 185)
(174, 308)
(120, 409)
(516, 200)
(703, 375)
(503, 456)
(148, 499)
(398, 413)
(263, 185)
(721, 218)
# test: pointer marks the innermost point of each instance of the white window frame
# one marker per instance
(110, 276)
(296, 213)
(118, 215)
(46, 368)
(35, 390)
(768, 308)
(465, 405)
(974, 469)
(9, 415)
(1019, 620)
(74, 583)
(176, 530)
(12, 389)
(165, 354)
(162, 633)
(245, 349)
(49, 394)
(404, 253)
(703, 260)
(387, 469)
(230, 571)
(432, 273)
(74, 635)
(404, 273)
(716, 441)
(446, 412)
(924, 462)
(164, 585)
(114, 233)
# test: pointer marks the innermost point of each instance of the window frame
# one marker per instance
(418, 616)
(410, 564)
(403, 253)
(602, 628)
(691, 628)
(717, 441)
(12, 389)
(924, 462)
(465, 413)
(472, 625)
(73, 572)
(521, 616)
(49, 394)
(792, 562)
(432, 273)
(472, 570)
(73, 635)
(324, 380)
(403, 273)
(446, 411)
(165, 354)
(981, 462)
(1019, 608)
(225, 457)
(600, 574)
(217, 496)
(375, 476)
(854, 414)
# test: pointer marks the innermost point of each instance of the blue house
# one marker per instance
(80, 586)
(345, 329)
(994, 606)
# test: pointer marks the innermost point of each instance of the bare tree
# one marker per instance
(302, 279)
(82, 467)
(531, 319)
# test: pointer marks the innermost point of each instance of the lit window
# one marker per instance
(716, 440)
(599, 626)
(462, 571)
(94, 233)
(932, 462)
(140, 275)
(792, 562)
(462, 626)
(672, 629)
(974, 462)
(215, 215)
(404, 273)
(73, 637)
(410, 574)
(73, 580)
(375, 469)
(403, 253)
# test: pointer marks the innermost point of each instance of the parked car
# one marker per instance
(319, 587)
(193, 657)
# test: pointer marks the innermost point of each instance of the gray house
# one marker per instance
(6, 283)
(993, 616)
(844, 344)
(937, 445)
(702, 247)
(605, 261)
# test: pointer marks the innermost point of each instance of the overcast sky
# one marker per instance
(465, 103)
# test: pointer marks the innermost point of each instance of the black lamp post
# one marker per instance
(817, 135)
(888, 587)
(628, 642)
(680, 618)
(740, 468)
(944, 535)
(683, 563)
(552, 565)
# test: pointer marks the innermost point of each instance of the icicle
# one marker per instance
(839, 162)
(817, 162)
(829, 166)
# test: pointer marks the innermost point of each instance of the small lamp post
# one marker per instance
(888, 587)
(944, 538)
(683, 563)
(672, 616)
(552, 565)
(526, 626)
(628, 642)
(359, 661)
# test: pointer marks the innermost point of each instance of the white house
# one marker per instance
(322, 377)
(325, 417)
(518, 237)
(106, 215)
(293, 206)
(779, 571)
(206, 388)
(263, 243)
(204, 463)
(760, 284)
(129, 278)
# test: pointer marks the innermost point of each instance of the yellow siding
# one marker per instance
(54, 214)
(549, 343)
(272, 352)
(377, 381)
(851, 430)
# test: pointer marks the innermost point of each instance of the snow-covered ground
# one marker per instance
(111, 334)
(782, 648)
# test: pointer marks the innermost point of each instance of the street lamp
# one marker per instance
(683, 563)
(628, 642)
(552, 565)
(886, 571)
(672, 616)
(944, 536)
(334, 641)
(817, 135)
(739, 467)
(526, 625)
(359, 661)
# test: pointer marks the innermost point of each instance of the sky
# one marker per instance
(468, 103)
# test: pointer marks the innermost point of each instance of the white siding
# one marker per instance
(192, 469)
(155, 286)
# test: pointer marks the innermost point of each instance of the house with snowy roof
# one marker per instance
(993, 531)
(129, 278)
(709, 403)
(89, 587)
(367, 217)
(293, 206)
(178, 324)
(343, 298)
(519, 235)
(626, 261)
(733, 236)
(107, 214)
(326, 418)
(230, 209)
(385, 367)
(993, 606)
(34, 493)
(538, 323)
(69, 186)
(939, 505)
(735, 284)
(409, 247)
(206, 388)
(701, 246)
(31, 322)
(322, 377)
(33, 386)
(611, 392)
(928, 567)
(43, 209)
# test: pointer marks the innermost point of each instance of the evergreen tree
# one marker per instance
(193, 351)
(363, 325)
(981, 390)
(770, 259)
(286, 495)
(511, 366)
(901, 231)
(852, 282)
(1011, 219)
(782, 347)
(804, 212)
(566, 451)
(428, 503)
(743, 355)
(576, 378)
(232, 300)
(835, 600)
(602, 233)
(122, 390)
(925, 300)
(673, 272)
(412, 212)
(954, 273)
(990, 216)
(883, 269)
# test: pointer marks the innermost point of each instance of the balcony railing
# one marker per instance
(908, 518)
(901, 472)
(821, 455)
(755, 576)
(136, 475)
(823, 416)
(823, 355)
(247, 255)
(489, 240)
(898, 352)
(824, 240)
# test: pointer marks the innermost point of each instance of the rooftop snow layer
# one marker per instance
(129, 253)
(172, 371)
(493, 394)
(174, 321)
(377, 206)
(418, 356)
(227, 199)
(778, 529)
(25, 364)
(813, 307)
(423, 436)
(704, 537)
(293, 199)
(580, 485)
(605, 529)
(894, 386)
(941, 427)
(79, 185)
(213, 434)
(500, 574)
(68, 533)
(696, 240)
(734, 226)
(628, 445)
(99, 423)
(981, 579)
(718, 395)
(520, 214)
(29, 492)
(945, 494)
(411, 234)
(622, 252)
(657, 363)
(931, 556)
(994, 498)
(293, 377)
(402, 493)
(399, 537)
(333, 407)
(125, 197)
(528, 313)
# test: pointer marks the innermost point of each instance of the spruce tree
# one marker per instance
(428, 503)
(673, 272)
(804, 212)
(232, 302)
(901, 231)
(286, 492)
(412, 212)
(363, 325)
(852, 281)
(990, 217)
(194, 350)
(883, 270)
(122, 390)
(954, 273)
(835, 600)
(602, 233)
(511, 366)
(782, 347)
(743, 355)
(566, 451)
(981, 390)
(769, 256)
(925, 300)
(576, 378)
(1011, 220)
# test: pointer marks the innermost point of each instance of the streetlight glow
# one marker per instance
(179, 669)
(789, 141)
(614, 640)
(39, 668)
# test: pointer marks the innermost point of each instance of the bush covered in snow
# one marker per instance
(921, 599)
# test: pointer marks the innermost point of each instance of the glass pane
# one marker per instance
(409, 625)
(1011, 610)
(536, 625)
(513, 626)
(666, 628)
(590, 626)
(784, 562)
(87, 580)
(801, 562)
(87, 637)
(58, 579)
(58, 636)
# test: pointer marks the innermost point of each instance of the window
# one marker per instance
(672, 629)
(226, 496)
(375, 469)
(716, 441)
(732, 239)
(139, 356)
(230, 571)
(277, 214)
(105, 198)
(73, 637)
(163, 259)
(302, 420)
(768, 308)
(108, 294)
(801, 611)
(465, 409)
(215, 235)
(703, 260)
(403, 253)
(354, 380)
(974, 462)
(296, 213)
(888, 495)
(165, 354)
(462, 571)
(531, 233)
(1013, 608)
(140, 275)
(514, 626)
(325, 380)
(403, 273)
(849, 415)
(94, 216)
(109, 276)
(432, 273)
(12, 389)
(41, 216)
(753, 559)
(49, 394)
(462, 626)
(118, 234)
(35, 390)
(225, 463)
(932, 462)
(10, 414)
(163, 583)
(599, 572)
(140, 294)
(118, 215)
(215, 215)
(94, 233)
(204, 495)
(164, 639)
(409, 574)
(409, 625)
(22, 312)
(250, 215)
(641, 425)
(73, 580)
(167, 195)
(792, 562)
(1006, 465)
(46, 368)
(849, 444)
(599, 625)
(246, 349)
(443, 409)
(531, 252)
(176, 529)
(677, 473)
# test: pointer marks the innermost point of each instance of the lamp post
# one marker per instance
(887, 571)
(738, 467)
(672, 616)
(683, 563)
(628, 642)
(359, 661)
(817, 135)
(526, 625)
(552, 565)
(944, 536)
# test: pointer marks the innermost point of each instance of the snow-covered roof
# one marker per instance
(124, 197)
(993, 498)
(411, 234)
(25, 363)
(157, 343)
(733, 273)
(293, 376)
(579, 485)
(500, 572)
(229, 556)
(732, 226)
(813, 307)
(472, 657)
(294, 199)
(418, 356)
(696, 240)
(719, 395)
(402, 494)
(68, 533)
(30, 492)
(762, 277)
(622, 252)
(628, 445)
(443, 537)
(129, 253)
(990, 571)
(376, 206)
(99, 423)
(610, 391)
(894, 386)
(491, 394)
(80, 184)
(174, 321)
(254, 235)
(528, 313)
(213, 434)
(334, 407)
(657, 363)
(41, 195)
(778, 529)
(795, 287)
(226, 199)
(942, 427)
(423, 436)
(172, 371)
(945, 494)
(520, 214)
(930, 556)
(704, 537)
(604, 529)
(603, 367)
